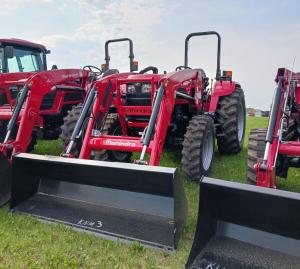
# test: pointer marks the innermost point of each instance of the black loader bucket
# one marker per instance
(245, 227)
(118, 200)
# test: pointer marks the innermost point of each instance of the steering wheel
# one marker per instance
(94, 69)
(182, 67)
(149, 68)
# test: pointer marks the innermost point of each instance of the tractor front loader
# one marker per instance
(44, 105)
(97, 185)
(20, 136)
(273, 150)
(126, 201)
(244, 226)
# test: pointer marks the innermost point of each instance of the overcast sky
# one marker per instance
(257, 36)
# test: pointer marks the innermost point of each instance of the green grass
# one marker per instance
(28, 243)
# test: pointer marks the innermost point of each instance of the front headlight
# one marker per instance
(131, 89)
(146, 88)
(138, 88)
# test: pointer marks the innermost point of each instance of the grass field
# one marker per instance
(28, 243)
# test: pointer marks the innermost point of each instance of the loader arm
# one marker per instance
(266, 169)
(30, 101)
(172, 83)
(155, 135)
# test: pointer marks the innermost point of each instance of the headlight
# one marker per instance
(138, 88)
(131, 89)
(146, 88)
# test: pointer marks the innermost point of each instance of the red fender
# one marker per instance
(221, 88)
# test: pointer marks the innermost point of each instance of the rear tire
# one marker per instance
(198, 147)
(231, 115)
(256, 148)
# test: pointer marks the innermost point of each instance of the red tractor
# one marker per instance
(246, 226)
(42, 101)
(20, 60)
(152, 110)
(272, 151)
(125, 113)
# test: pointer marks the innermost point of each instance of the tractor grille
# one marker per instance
(73, 96)
(48, 100)
(138, 99)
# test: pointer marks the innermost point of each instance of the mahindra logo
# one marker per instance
(136, 110)
(119, 143)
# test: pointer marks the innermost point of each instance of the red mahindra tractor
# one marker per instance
(20, 60)
(245, 226)
(125, 113)
(272, 151)
(187, 112)
(45, 97)
(26, 116)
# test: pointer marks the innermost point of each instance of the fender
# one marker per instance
(221, 88)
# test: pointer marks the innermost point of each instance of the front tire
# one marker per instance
(198, 147)
(256, 149)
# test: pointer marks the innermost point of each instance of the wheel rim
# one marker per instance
(240, 122)
(207, 151)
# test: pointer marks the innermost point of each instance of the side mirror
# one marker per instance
(9, 52)
(135, 66)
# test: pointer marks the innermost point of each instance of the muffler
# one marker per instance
(244, 226)
(118, 200)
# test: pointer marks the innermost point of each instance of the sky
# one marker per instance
(258, 36)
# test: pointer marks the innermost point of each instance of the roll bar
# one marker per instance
(133, 66)
(186, 49)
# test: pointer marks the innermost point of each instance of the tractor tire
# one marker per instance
(68, 126)
(231, 117)
(198, 147)
(112, 127)
(256, 149)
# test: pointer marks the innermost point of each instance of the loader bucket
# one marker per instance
(116, 200)
(244, 226)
